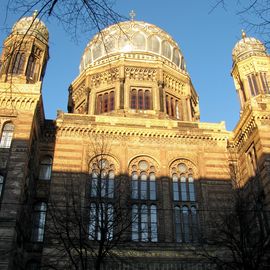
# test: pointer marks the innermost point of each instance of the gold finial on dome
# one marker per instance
(243, 34)
(132, 14)
(35, 13)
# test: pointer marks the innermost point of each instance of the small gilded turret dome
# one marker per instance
(246, 47)
(31, 26)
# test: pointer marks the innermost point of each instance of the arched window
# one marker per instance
(153, 44)
(111, 101)
(97, 50)
(182, 179)
(1, 184)
(143, 181)
(18, 63)
(133, 99)
(264, 82)
(166, 49)
(140, 99)
(147, 100)
(39, 219)
(144, 223)
(184, 197)
(138, 41)
(101, 221)
(7, 134)
(31, 67)
(45, 168)
(105, 102)
(172, 106)
(176, 57)
(102, 173)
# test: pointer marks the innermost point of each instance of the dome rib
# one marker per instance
(129, 37)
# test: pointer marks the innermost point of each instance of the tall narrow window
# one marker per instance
(134, 185)
(144, 223)
(184, 198)
(111, 101)
(153, 188)
(105, 102)
(134, 99)
(135, 223)
(30, 71)
(177, 217)
(39, 219)
(175, 187)
(194, 226)
(186, 225)
(140, 99)
(183, 184)
(102, 173)
(99, 104)
(101, 221)
(147, 100)
(45, 168)
(1, 184)
(7, 134)
(264, 82)
(153, 220)
(143, 181)
(172, 106)
(18, 63)
(191, 188)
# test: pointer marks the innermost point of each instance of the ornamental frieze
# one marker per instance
(173, 83)
(18, 102)
(145, 74)
(106, 77)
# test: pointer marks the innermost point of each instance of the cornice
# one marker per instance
(69, 125)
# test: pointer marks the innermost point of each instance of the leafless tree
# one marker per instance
(255, 14)
(240, 238)
(89, 218)
(74, 15)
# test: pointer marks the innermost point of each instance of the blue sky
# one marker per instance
(206, 41)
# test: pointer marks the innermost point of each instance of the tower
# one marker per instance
(23, 63)
(25, 52)
(251, 70)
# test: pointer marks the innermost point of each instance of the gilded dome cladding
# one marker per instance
(248, 46)
(132, 36)
(31, 26)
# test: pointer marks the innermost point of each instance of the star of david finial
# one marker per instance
(132, 15)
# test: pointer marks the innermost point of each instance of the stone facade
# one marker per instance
(137, 99)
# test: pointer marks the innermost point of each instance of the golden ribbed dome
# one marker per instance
(31, 26)
(248, 46)
(129, 37)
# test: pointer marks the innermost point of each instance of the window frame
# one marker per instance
(39, 221)
(140, 98)
(7, 134)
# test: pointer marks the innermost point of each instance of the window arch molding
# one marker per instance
(7, 133)
(103, 169)
(183, 173)
(189, 163)
(143, 171)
